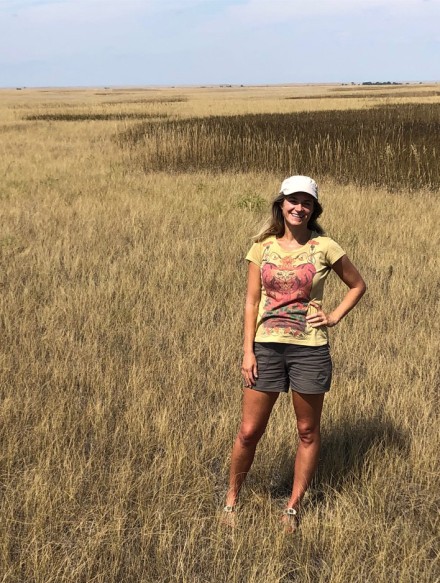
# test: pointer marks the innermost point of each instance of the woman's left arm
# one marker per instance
(345, 269)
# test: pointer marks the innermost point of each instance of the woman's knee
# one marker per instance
(249, 435)
(308, 432)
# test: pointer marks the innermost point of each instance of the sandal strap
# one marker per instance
(290, 512)
(229, 509)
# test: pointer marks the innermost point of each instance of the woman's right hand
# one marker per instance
(249, 369)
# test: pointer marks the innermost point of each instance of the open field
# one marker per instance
(122, 288)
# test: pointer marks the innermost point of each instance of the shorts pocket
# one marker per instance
(264, 355)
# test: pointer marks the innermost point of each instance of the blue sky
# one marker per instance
(200, 42)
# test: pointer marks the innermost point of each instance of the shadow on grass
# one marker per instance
(345, 451)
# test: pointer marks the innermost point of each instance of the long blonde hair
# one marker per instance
(275, 223)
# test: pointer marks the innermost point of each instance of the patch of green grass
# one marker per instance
(252, 202)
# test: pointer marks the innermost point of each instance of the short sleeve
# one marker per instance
(254, 254)
(334, 252)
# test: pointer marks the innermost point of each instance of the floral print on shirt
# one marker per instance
(287, 280)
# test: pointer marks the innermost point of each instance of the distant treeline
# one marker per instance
(381, 83)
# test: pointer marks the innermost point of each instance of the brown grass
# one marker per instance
(120, 314)
(395, 146)
(92, 116)
(372, 95)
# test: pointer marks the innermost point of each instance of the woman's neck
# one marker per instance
(296, 236)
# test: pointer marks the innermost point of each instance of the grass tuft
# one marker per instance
(252, 202)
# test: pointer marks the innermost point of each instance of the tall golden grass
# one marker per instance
(121, 306)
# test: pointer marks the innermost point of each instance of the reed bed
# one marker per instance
(392, 146)
(121, 323)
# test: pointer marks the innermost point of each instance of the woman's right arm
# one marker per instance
(253, 295)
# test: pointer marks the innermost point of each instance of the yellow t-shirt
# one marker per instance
(289, 281)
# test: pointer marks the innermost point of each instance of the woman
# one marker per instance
(285, 332)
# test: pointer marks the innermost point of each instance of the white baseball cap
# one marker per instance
(299, 184)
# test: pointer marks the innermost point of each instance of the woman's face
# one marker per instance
(297, 208)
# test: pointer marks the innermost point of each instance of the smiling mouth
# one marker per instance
(297, 216)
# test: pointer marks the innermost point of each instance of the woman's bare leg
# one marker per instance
(257, 406)
(308, 410)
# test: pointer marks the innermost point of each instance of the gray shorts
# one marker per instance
(306, 369)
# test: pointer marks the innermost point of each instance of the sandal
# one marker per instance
(228, 516)
(290, 520)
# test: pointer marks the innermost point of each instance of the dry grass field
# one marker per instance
(122, 288)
